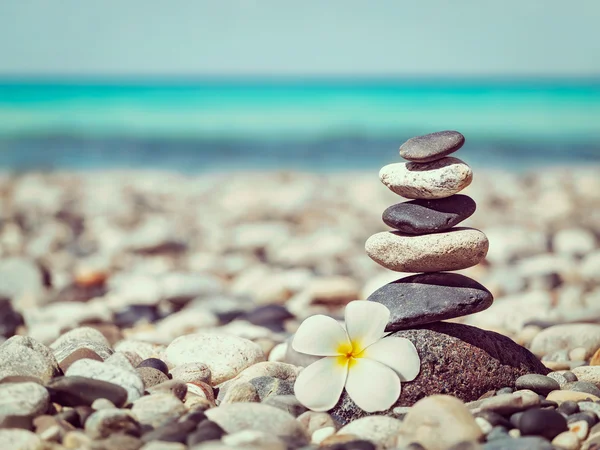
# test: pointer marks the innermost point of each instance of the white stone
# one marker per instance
(186, 321)
(254, 439)
(23, 399)
(157, 409)
(437, 179)
(378, 429)
(15, 439)
(567, 337)
(456, 249)
(437, 423)
(225, 355)
(574, 242)
(590, 374)
(22, 355)
(321, 434)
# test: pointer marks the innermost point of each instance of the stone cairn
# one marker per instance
(426, 240)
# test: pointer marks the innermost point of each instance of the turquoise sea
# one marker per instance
(323, 125)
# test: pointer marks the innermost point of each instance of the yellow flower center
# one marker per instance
(348, 353)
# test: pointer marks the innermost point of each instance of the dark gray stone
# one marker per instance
(82, 391)
(431, 297)
(457, 360)
(154, 363)
(582, 386)
(524, 443)
(539, 384)
(569, 407)
(542, 422)
(429, 216)
(431, 146)
(206, 430)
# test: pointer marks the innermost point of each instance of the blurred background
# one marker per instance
(216, 157)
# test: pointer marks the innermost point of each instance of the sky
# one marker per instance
(308, 37)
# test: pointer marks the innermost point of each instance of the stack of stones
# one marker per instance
(426, 240)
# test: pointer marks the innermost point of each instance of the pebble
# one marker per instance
(377, 429)
(14, 439)
(569, 407)
(431, 147)
(591, 374)
(255, 416)
(453, 424)
(565, 337)
(128, 379)
(192, 372)
(438, 179)
(540, 384)
(519, 443)
(589, 417)
(24, 356)
(431, 297)
(457, 249)
(429, 216)
(23, 399)
(83, 391)
(498, 432)
(559, 378)
(509, 403)
(314, 420)
(105, 422)
(288, 403)
(162, 445)
(154, 363)
(271, 386)
(151, 377)
(321, 434)
(583, 386)
(206, 430)
(580, 428)
(254, 439)
(157, 409)
(590, 406)
(570, 376)
(172, 432)
(174, 387)
(566, 441)
(225, 355)
(542, 422)
(102, 403)
(575, 396)
(78, 338)
(484, 425)
(80, 353)
(241, 392)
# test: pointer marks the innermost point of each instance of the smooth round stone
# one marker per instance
(172, 432)
(23, 399)
(80, 353)
(567, 337)
(128, 379)
(207, 430)
(583, 386)
(521, 443)
(155, 363)
(437, 179)
(429, 216)
(20, 440)
(453, 423)
(377, 429)
(78, 338)
(225, 355)
(456, 249)
(173, 387)
(192, 373)
(24, 356)
(431, 297)
(158, 409)
(82, 391)
(542, 422)
(236, 417)
(431, 146)
(540, 384)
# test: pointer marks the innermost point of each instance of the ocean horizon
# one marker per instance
(328, 124)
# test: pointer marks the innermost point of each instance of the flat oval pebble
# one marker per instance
(437, 179)
(431, 297)
(431, 146)
(540, 384)
(23, 399)
(255, 416)
(542, 422)
(158, 409)
(128, 379)
(83, 391)
(429, 216)
(456, 249)
(225, 355)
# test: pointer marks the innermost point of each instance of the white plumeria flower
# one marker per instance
(357, 358)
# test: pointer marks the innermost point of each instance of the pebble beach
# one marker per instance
(153, 310)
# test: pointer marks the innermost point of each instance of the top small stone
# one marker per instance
(431, 146)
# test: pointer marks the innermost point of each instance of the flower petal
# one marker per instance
(398, 354)
(372, 385)
(321, 336)
(319, 386)
(365, 322)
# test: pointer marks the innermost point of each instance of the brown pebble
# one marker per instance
(21, 379)
(80, 353)
(595, 361)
